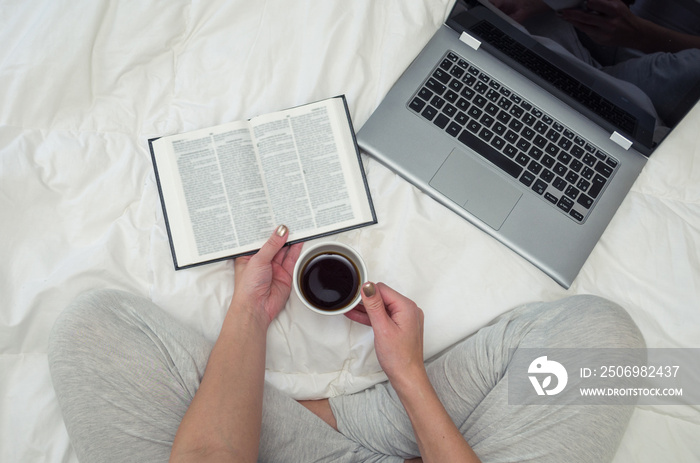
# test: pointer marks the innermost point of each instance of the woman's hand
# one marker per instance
(397, 323)
(263, 281)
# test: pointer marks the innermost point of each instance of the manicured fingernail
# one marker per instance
(369, 289)
(281, 230)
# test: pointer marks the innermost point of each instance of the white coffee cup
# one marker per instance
(328, 278)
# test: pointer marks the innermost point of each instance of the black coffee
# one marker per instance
(329, 281)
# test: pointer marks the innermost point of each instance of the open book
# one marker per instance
(224, 189)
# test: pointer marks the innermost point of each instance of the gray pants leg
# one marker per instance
(471, 382)
(125, 373)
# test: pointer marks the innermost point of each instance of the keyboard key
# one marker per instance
(603, 169)
(523, 145)
(474, 112)
(473, 126)
(486, 134)
(481, 87)
(441, 121)
(480, 101)
(498, 143)
(548, 160)
(425, 94)
(488, 153)
(441, 76)
(462, 104)
(539, 187)
(511, 136)
(429, 113)
(499, 128)
(583, 184)
(461, 118)
(571, 192)
(596, 186)
(540, 141)
(585, 201)
(515, 125)
(437, 102)
(565, 203)
(492, 109)
(577, 152)
(551, 198)
(541, 127)
(552, 150)
(522, 159)
(535, 153)
(486, 120)
(589, 160)
(504, 117)
(454, 129)
(449, 110)
(457, 72)
(527, 178)
(504, 104)
(534, 167)
(564, 157)
(559, 169)
(456, 85)
(510, 150)
(417, 104)
(576, 165)
(435, 86)
(559, 183)
(451, 96)
(527, 133)
(576, 215)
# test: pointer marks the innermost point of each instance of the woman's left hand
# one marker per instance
(263, 281)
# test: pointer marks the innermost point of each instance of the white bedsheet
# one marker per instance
(84, 84)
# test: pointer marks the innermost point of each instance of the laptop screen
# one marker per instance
(639, 86)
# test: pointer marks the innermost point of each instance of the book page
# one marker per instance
(225, 188)
(203, 219)
(312, 183)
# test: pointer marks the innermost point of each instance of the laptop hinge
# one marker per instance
(620, 140)
(469, 40)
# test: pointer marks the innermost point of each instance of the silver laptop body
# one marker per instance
(557, 235)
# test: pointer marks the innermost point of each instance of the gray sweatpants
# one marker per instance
(125, 372)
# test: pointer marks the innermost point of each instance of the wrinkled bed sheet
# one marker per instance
(85, 84)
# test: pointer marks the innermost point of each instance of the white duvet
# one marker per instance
(84, 84)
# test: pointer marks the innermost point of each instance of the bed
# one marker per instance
(85, 84)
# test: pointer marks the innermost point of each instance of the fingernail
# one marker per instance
(281, 230)
(369, 289)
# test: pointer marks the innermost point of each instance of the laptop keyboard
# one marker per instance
(620, 118)
(513, 134)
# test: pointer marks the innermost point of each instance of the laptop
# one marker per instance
(524, 141)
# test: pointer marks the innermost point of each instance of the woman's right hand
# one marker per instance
(397, 323)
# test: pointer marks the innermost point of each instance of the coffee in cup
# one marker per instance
(328, 277)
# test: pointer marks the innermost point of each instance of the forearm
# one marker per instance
(224, 419)
(438, 438)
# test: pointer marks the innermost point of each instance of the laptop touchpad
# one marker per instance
(476, 188)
